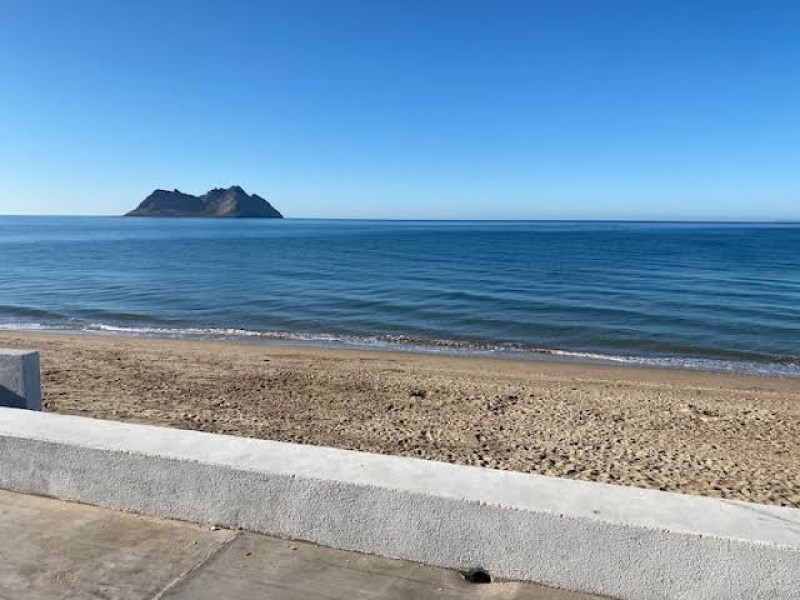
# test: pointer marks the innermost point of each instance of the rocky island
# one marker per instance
(219, 202)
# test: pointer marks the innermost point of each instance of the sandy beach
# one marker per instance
(720, 435)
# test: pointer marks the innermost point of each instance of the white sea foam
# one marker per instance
(409, 344)
(24, 327)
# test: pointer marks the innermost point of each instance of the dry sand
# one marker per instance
(699, 433)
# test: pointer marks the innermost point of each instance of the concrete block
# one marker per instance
(20, 385)
(623, 542)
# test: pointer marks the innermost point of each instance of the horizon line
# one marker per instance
(437, 219)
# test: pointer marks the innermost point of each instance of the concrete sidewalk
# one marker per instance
(57, 550)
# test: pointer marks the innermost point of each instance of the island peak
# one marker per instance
(218, 202)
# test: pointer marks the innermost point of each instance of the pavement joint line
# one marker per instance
(187, 576)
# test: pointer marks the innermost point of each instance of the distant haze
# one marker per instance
(445, 110)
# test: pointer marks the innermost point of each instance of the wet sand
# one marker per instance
(721, 435)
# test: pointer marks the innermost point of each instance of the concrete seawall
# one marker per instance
(623, 542)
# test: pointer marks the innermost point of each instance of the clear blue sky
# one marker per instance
(432, 109)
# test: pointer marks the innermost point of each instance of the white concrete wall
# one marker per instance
(20, 385)
(624, 542)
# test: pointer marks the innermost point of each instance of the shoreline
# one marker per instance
(719, 434)
(434, 347)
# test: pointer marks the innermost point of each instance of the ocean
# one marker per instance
(713, 296)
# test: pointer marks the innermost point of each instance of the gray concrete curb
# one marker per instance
(623, 542)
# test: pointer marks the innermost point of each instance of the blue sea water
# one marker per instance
(698, 295)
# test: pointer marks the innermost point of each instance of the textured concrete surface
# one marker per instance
(52, 550)
(257, 566)
(64, 550)
(20, 380)
(617, 541)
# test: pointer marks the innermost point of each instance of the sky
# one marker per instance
(499, 109)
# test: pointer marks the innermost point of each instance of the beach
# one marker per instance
(724, 435)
